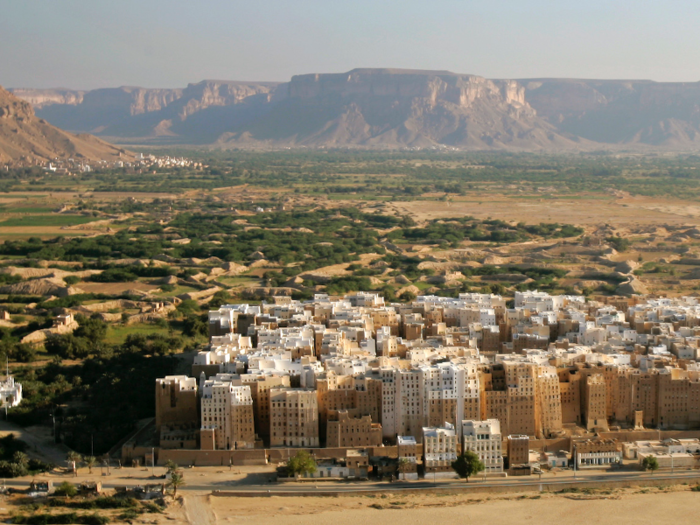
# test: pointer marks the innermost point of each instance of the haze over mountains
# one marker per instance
(28, 139)
(387, 108)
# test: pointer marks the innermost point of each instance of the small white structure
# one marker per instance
(558, 459)
(10, 392)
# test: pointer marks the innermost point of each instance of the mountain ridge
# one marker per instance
(389, 108)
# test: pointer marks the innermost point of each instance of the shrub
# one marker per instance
(66, 489)
(128, 515)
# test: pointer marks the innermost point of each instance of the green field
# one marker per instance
(117, 334)
(46, 220)
(29, 209)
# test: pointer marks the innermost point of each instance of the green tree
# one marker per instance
(301, 463)
(66, 489)
(177, 479)
(650, 463)
(405, 466)
(21, 459)
(171, 466)
(74, 460)
(70, 280)
(90, 462)
(467, 464)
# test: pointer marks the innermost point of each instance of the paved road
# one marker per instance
(526, 483)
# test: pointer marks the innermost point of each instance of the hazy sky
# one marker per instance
(169, 43)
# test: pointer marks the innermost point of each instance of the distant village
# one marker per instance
(542, 382)
(139, 164)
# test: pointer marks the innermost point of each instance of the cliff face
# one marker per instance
(26, 139)
(389, 108)
(132, 112)
(39, 98)
(621, 112)
(398, 108)
(433, 86)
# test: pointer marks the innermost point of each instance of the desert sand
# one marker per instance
(625, 506)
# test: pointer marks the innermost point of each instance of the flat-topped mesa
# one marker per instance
(39, 98)
(432, 86)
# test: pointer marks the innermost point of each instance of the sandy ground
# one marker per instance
(625, 506)
(115, 288)
(583, 211)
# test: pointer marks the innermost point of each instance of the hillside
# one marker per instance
(27, 139)
(389, 108)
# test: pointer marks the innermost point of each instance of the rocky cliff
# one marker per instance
(140, 113)
(389, 108)
(620, 112)
(384, 108)
(40, 98)
(25, 138)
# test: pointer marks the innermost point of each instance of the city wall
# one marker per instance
(208, 458)
(280, 455)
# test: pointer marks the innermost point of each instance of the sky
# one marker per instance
(87, 44)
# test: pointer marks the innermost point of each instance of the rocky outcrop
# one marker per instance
(40, 98)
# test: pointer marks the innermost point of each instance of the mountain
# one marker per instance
(628, 112)
(25, 138)
(388, 108)
(197, 114)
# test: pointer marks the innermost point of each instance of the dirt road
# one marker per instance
(198, 510)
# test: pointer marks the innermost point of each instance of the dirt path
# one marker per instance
(198, 510)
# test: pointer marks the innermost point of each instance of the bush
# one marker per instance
(128, 515)
(66, 489)
(60, 519)
(102, 502)
(36, 465)
(114, 275)
(621, 244)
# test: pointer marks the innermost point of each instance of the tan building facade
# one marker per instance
(228, 411)
(293, 418)
(348, 431)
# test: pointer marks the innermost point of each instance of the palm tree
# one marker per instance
(90, 461)
(176, 480)
(171, 466)
(405, 466)
(73, 459)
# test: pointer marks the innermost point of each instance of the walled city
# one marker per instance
(481, 372)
